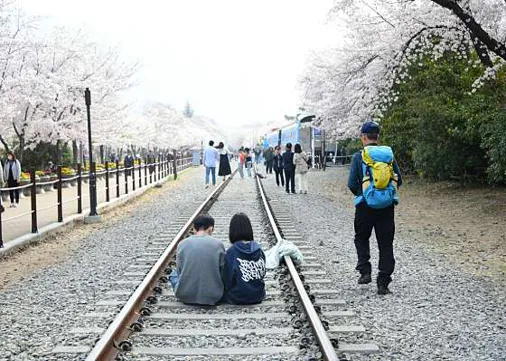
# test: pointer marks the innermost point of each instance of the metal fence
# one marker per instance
(321, 162)
(135, 177)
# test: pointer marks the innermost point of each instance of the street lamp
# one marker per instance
(93, 182)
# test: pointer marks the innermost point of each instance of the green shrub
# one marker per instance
(440, 130)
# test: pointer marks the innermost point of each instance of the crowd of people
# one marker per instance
(289, 167)
(207, 274)
(374, 180)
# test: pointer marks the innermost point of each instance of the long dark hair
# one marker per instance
(240, 228)
(298, 148)
(11, 153)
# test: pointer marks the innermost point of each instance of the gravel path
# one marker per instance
(37, 312)
(435, 311)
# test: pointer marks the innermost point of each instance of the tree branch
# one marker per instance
(4, 142)
(474, 28)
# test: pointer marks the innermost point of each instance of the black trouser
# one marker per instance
(279, 174)
(290, 180)
(382, 220)
(268, 166)
(13, 193)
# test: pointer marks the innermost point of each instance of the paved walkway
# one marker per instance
(47, 211)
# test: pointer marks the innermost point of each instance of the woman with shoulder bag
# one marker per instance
(301, 167)
(12, 174)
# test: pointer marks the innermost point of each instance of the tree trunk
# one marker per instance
(81, 154)
(102, 154)
(75, 153)
(21, 149)
(58, 152)
(6, 146)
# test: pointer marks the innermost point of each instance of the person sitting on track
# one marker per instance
(244, 264)
(200, 262)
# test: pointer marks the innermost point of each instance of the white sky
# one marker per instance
(236, 61)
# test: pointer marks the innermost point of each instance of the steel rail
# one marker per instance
(119, 329)
(328, 351)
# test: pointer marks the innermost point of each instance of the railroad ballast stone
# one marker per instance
(37, 312)
(435, 311)
(198, 325)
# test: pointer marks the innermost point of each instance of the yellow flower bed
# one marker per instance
(67, 171)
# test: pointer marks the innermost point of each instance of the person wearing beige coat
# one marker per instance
(301, 167)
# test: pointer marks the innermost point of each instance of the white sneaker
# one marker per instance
(12, 205)
(15, 205)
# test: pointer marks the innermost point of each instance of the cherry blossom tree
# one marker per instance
(43, 75)
(349, 83)
(164, 127)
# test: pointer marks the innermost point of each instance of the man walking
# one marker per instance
(200, 263)
(269, 160)
(278, 166)
(374, 178)
(211, 156)
(128, 162)
(289, 168)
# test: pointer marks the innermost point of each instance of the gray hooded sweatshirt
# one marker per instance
(200, 262)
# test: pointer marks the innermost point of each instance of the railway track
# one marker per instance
(301, 317)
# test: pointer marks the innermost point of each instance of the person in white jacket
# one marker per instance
(12, 174)
(300, 159)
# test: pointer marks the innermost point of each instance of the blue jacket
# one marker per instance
(356, 175)
(244, 273)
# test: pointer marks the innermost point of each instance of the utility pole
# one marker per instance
(93, 217)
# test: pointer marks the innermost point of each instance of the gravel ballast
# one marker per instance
(37, 312)
(223, 331)
(436, 312)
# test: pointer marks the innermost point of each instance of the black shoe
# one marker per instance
(383, 290)
(287, 192)
(364, 279)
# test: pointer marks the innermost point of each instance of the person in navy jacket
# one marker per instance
(244, 269)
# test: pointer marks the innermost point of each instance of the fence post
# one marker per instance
(155, 173)
(140, 173)
(79, 189)
(117, 179)
(159, 168)
(33, 197)
(145, 171)
(107, 198)
(59, 195)
(133, 176)
(125, 170)
(1, 230)
(175, 164)
(151, 171)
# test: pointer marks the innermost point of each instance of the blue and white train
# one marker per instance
(307, 135)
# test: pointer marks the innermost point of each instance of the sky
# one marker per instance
(236, 61)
